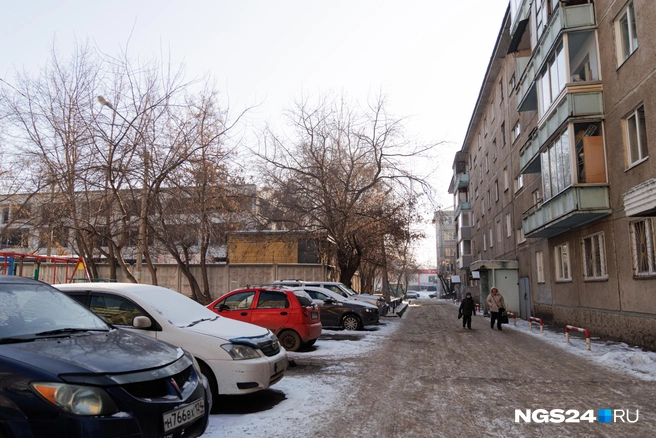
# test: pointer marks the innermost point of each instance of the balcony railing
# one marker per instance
(463, 206)
(580, 101)
(463, 261)
(572, 208)
(565, 19)
(462, 181)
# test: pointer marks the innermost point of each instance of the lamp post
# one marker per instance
(144, 192)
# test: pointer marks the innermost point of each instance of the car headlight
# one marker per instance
(240, 352)
(369, 310)
(76, 399)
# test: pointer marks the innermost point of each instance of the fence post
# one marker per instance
(582, 330)
(530, 323)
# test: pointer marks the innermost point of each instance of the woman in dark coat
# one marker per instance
(467, 309)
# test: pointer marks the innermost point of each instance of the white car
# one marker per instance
(236, 357)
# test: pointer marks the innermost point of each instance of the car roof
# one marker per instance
(5, 279)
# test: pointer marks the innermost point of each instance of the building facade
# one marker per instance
(559, 184)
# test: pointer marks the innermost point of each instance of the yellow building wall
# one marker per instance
(262, 250)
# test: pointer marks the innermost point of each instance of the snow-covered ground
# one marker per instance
(302, 402)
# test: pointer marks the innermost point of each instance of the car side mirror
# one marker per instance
(141, 322)
(223, 307)
(329, 301)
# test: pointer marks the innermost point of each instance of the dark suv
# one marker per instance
(64, 372)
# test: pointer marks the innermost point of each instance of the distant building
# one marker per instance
(445, 241)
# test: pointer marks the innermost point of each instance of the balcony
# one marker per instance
(465, 233)
(462, 181)
(463, 206)
(565, 19)
(580, 101)
(463, 261)
(572, 208)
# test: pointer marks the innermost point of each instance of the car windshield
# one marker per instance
(178, 309)
(30, 310)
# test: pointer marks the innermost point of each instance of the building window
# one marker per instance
(642, 247)
(508, 225)
(552, 80)
(487, 163)
(500, 91)
(519, 183)
(521, 238)
(484, 242)
(627, 38)
(506, 180)
(499, 234)
(556, 166)
(594, 257)
(496, 190)
(516, 132)
(539, 266)
(636, 136)
(491, 237)
(511, 82)
(482, 206)
(489, 202)
(562, 262)
(503, 134)
(537, 201)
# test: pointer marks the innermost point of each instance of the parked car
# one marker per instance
(341, 289)
(337, 311)
(291, 315)
(64, 372)
(236, 358)
(412, 295)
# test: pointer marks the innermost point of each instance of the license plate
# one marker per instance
(280, 366)
(315, 315)
(184, 415)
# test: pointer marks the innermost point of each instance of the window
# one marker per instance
(536, 197)
(501, 91)
(482, 206)
(491, 237)
(519, 182)
(521, 238)
(552, 80)
(503, 134)
(489, 202)
(627, 38)
(499, 234)
(539, 266)
(241, 300)
(115, 310)
(487, 163)
(594, 257)
(636, 136)
(508, 225)
(476, 192)
(642, 247)
(496, 190)
(484, 242)
(272, 300)
(562, 262)
(506, 181)
(516, 132)
(511, 82)
(556, 166)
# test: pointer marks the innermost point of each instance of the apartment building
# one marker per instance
(554, 190)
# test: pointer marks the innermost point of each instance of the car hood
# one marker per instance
(114, 352)
(226, 328)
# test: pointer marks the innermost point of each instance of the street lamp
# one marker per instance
(144, 192)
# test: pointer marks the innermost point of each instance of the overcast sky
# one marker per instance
(427, 56)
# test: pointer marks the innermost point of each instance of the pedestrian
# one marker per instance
(495, 302)
(467, 309)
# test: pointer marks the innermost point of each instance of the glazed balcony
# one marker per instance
(572, 208)
(463, 261)
(565, 19)
(462, 206)
(462, 181)
(580, 101)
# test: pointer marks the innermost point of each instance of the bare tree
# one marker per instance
(344, 171)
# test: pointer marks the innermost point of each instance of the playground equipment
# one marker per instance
(12, 263)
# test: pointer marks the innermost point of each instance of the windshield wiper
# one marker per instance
(203, 319)
(67, 331)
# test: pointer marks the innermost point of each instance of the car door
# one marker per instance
(272, 310)
(237, 306)
(330, 313)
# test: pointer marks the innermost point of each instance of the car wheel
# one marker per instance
(351, 322)
(310, 343)
(290, 340)
(214, 387)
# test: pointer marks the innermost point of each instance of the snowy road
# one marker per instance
(423, 375)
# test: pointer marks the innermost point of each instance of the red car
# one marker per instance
(291, 315)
